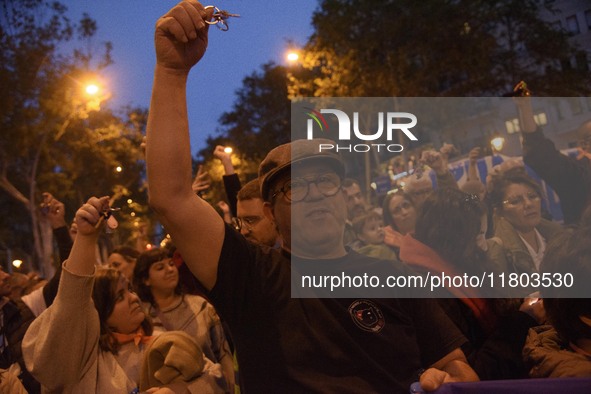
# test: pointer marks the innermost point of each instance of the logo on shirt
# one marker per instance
(367, 316)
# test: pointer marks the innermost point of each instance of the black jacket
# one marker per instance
(569, 177)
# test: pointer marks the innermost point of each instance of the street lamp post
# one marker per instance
(497, 144)
(292, 56)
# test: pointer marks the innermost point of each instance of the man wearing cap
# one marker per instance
(284, 344)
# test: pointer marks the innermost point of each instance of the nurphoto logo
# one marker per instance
(386, 121)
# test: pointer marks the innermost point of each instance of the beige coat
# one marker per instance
(62, 352)
(548, 357)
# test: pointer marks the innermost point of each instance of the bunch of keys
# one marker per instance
(219, 18)
(521, 90)
(107, 215)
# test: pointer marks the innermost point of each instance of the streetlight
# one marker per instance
(228, 149)
(292, 56)
(17, 263)
(293, 68)
(497, 143)
(92, 89)
(118, 168)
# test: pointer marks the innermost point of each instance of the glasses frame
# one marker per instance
(531, 196)
(240, 223)
(286, 188)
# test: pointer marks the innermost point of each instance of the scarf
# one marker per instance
(138, 337)
(422, 258)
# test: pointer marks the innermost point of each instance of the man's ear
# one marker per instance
(268, 211)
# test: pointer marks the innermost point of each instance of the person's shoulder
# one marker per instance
(235, 242)
(506, 234)
(200, 305)
(268, 256)
(194, 299)
(550, 229)
(381, 252)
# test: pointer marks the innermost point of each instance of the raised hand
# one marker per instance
(225, 158)
(181, 36)
(54, 210)
(435, 160)
(202, 180)
(89, 216)
(474, 154)
(220, 153)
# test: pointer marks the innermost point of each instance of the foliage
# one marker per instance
(258, 122)
(435, 48)
(53, 137)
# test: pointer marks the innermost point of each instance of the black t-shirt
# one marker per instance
(330, 345)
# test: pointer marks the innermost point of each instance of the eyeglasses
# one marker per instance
(297, 189)
(403, 205)
(520, 200)
(247, 222)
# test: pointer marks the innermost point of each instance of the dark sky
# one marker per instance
(258, 36)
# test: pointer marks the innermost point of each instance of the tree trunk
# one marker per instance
(46, 257)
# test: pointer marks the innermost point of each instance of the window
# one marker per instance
(556, 105)
(588, 18)
(541, 119)
(575, 105)
(512, 126)
(572, 25)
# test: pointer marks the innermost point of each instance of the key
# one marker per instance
(219, 18)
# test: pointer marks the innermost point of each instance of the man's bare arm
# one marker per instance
(195, 227)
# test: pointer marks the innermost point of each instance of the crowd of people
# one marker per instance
(216, 312)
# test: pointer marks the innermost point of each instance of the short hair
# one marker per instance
(449, 222)
(104, 296)
(361, 220)
(348, 182)
(141, 272)
(569, 253)
(129, 254)
(501, 182)
(250, 191)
